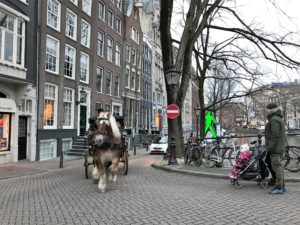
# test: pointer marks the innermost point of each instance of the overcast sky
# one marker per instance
(265, 15)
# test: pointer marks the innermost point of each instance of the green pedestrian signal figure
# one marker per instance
(209, 122)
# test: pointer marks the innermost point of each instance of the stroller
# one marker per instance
(249, 165)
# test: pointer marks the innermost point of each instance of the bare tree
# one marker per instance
(202, 17)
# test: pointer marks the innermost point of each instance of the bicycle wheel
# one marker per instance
(208, 156)
(86, 166)
(125, 161)
(291, 159)
(186, 154)
(196, 157)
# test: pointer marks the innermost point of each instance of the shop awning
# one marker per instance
(7, 105)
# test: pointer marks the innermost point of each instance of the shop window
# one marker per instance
(5, 131)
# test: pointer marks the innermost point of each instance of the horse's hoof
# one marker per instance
(114, 179)
(102, 188)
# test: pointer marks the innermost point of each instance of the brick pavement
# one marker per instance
(145, 196)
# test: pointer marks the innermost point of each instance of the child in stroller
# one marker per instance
(249, 164)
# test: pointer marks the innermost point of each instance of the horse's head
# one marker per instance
(107, 130)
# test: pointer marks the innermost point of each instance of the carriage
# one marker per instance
(91, 150)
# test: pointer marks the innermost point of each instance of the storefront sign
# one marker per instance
(7, 105)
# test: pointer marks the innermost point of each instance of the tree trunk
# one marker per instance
(202, 108)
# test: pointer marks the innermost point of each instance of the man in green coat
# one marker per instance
(275, 144)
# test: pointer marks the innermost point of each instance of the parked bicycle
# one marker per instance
(192, 153)
(215, 153)
(291, 158)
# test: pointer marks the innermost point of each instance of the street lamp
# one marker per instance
(197, 112)
(172, 77)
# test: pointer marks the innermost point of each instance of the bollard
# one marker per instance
(172, 157)
(61, 159)
(134, 150)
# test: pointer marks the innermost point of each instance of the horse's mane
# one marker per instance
(111, 121)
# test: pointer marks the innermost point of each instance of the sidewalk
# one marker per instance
(220, 173)
(26, 168)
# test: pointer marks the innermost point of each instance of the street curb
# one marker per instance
(200, 174)
(211, 175)
(22, 175)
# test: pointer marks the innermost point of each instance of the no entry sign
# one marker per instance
(173, 111)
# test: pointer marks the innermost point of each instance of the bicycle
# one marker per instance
(192, 153)
(210, 154)
(291, 158)
(214, 155)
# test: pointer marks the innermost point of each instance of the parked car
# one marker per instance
(159, 145)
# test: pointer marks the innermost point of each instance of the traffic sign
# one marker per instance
(173, 111)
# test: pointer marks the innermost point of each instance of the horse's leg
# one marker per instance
(114, 168)
(102, 185)
(95, 174)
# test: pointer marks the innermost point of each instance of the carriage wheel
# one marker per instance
(86, 166)
(125, 161)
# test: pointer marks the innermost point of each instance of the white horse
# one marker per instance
(106, 136)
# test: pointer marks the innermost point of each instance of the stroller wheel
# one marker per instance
(238, 185)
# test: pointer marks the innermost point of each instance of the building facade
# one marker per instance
(80, 68)
(18, 80)
(132, 66)
(146, 88)
(150, 16)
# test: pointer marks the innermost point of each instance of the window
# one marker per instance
(117, 86)
(110, 19)
(70, 59)
(101, 11)
(99, 79)
(109, 49)
(107, 108)
(85, 33)
(12, 39)
(75, 2)
(66, 145)
(84, 67)
(53, 14)
(127, 77)
(128, 53)
(71, 24)
(134, 35)
(100, 43)
(68, 108)
(117, 110)
(108, 82)
(48, 149)
(118, 55)
(138, 60)
(5, 131)
(119, 4)
(98, 106)
(133, 56)
(87, 6)
(50, 106)
(132, 80)
(52, 55)
(118, 25)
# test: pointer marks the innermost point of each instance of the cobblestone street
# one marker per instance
(145, 196)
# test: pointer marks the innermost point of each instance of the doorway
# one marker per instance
(82, 122)
(22, 138)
